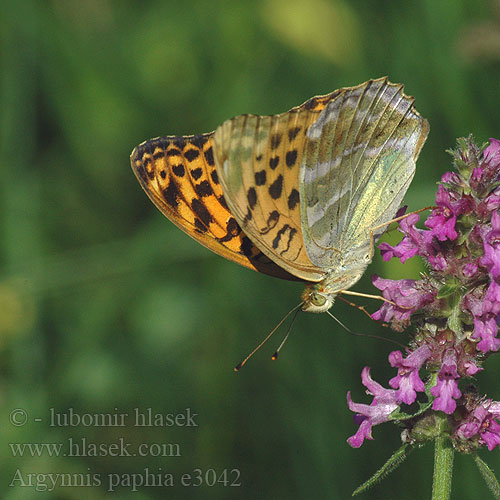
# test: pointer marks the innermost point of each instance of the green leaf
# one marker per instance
(467, 221)
(464, 168)
(488, 476)
(401, 415)
(392, 464)
(449, 288)
(454, 319)
(462, 250)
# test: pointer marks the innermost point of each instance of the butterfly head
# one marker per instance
(316, 299)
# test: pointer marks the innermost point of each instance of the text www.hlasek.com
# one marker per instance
(85, 448)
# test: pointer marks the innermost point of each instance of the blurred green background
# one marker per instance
(105, 306)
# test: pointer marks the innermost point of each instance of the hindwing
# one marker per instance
(258, 160)
(358, 164)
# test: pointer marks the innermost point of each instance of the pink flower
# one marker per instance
(491, 154)
(491, 302)
(406, 294)
(409, 246)
(490, 203)
(486, 329)
(491, 242)
(482, 423)
(442, 220)
(471, 368)
(446, 390)
(408, 381)
(383, 404)
(470, 269)
(455, 307)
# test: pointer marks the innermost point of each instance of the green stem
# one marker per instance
(443, 468)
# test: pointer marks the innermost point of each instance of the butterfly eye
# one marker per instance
(318, 300)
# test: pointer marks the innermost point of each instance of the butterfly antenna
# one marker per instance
(363, 334)
(275, 355)
(240, 365)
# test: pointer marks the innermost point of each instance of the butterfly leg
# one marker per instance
(397, 219)
(366, 295)
(361, 308)
(357, 306)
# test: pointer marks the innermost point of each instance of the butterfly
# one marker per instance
(301, 195)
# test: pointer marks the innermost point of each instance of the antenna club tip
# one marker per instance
(274, 357)
(237, 368)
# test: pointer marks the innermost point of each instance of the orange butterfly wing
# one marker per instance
(178, 174)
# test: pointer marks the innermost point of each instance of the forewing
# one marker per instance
(179, 176)
(258, 160)
(359, 162)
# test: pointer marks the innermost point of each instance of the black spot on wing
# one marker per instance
(311, 103)
(196, 173)
(246, 246)
(291, 234)
(209, 156)
(201, 211)
(222, 201)
(276, 240)
(271, 222)
(291, 158)
(198, 141)
(260, 177)
(275, 140)
(200, 227)
(232, 230)
(248, 216)
(163, 174)
(179, 142)
(252, 197)
(150, 146)
(293, 199)
(232, 227)
(173, 152)
(276, 188)
(191, 154)
(179, 170)
(274, 162)
(158, 155)
(171, 194)
(203, 189)
(292, 133)
(215, 177)
(280, 233)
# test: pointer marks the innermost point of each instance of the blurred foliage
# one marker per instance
(105, 306)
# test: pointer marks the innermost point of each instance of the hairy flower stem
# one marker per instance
(443, 468)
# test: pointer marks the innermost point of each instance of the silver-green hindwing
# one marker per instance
(357, 166)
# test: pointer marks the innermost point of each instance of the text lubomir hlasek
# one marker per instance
(137, 418)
